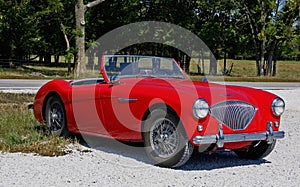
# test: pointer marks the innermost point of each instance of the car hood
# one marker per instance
(212, 92)
(215, 93)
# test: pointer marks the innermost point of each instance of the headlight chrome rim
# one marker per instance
(200, 108)
(278, 106)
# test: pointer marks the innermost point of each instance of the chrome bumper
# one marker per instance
(222, 138)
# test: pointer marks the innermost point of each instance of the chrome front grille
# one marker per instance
(237, 115)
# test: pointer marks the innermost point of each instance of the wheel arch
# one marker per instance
(50, 94)
(162, 106)
(159, 106)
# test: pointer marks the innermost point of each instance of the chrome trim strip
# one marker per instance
(127, 99)
(222, 138)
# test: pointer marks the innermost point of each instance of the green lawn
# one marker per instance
(33, 72)
(245, 70)
(21, 132)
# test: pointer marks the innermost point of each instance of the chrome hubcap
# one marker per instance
(56, 117)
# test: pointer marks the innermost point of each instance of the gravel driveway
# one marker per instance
(114, 165)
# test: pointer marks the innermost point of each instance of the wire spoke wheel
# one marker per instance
(56, 117)
(164, 138)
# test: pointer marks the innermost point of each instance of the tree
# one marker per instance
(116, 13)
(215, 25)
(270, 23)
(80, 9)
(67, 26)
(34, 28)
(260, 29)
(15, 29)
(291, 49)
(48, 17)
(282, 29)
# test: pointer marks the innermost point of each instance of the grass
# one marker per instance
(245, 70)
(33, 72)
(20, 132)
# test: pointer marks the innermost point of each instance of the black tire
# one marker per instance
(165, 140)
(56, 117)
(257, 150)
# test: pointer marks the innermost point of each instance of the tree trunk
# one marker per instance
(270, 59)
(56, 59)
(256, 53)
(48, 58)
(225, 63)
(203, 65)
(80, 8)
(254, 32)
(91, 61)
(257, 63)
(187, 63)
(274, 67)
(80, 40)
(41, 58)
(69, 55)
(180, 60)
(264, 39)
(274, 63)
(198, 66)
(213, 65)
(262, 58)
(269, 64)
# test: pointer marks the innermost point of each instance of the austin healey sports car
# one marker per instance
(151, 100)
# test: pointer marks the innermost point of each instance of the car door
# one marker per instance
(119, 102)
(87, 109)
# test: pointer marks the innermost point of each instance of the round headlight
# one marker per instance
(278, 106)
(200, 108)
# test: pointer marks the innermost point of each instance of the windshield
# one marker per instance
(121, 66)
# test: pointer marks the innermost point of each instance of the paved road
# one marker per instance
(31, 86)
(20, 85)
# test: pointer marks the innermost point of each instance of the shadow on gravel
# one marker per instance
(134, 150)
(198, 161)
(217, 160)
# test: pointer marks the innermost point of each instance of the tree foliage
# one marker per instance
(265, 30)
(272, 23)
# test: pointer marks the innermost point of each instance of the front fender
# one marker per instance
(54, 87)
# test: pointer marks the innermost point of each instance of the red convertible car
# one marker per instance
(150, 100)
